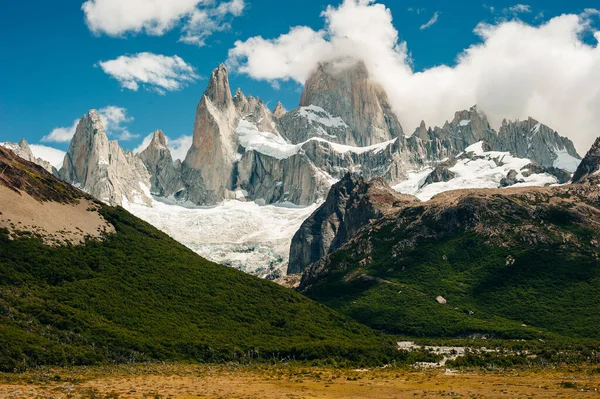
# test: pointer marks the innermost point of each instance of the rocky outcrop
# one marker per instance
(440, 173)
(102, 168)
(422, 132)
(23, 150)
(279, 110)
(536, 141)
(351, 203)
(467, 127)
(589, 168)
(510, 179)
(530, 217)
(255, 111)
(165, 176)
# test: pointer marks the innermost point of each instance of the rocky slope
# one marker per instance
(519, 262)
(34, 203)
(101, 167)
(351, 203)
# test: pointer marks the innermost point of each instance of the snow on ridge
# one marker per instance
(465, 122)
(565, 161)
(275, 146)
(317, 114)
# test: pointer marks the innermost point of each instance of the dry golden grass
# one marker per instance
(295, 381)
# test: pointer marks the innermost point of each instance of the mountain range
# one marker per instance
(451, 232)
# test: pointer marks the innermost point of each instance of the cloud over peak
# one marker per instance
(518, 70)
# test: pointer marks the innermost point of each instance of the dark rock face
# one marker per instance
(351, 204)
(441, 173)
(164, 176)
(510, 179)
(590, 164)
(533, 140)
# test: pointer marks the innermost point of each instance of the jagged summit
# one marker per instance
(218, 90)
(23, 150)
(279, 110)
(101, 167)
(158, 139)
(590, 166)
(165, 177)
(422, 132)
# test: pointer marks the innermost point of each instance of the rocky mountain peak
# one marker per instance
(239, 99)
(590, 165)
(158, 140)
(422, 132)
(165, 177)
(279, 110)
(101, 167)
(218, 91)
(345, 90)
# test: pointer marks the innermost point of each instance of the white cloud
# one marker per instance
(518, 9)
(517, 70)
(113, 119)
(178, 147)
(198, 18)
(49, 154)
(431, 22)
(154, 71)
(61, 134)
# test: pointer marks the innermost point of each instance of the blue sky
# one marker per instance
(50, 76)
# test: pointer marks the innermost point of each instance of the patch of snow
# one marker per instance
(264, 142)
(536, 128)
(464, 122)
(566, 161)
(476, 148)
(244, 235)
(479, 173)
(319, 115)
(275, 146)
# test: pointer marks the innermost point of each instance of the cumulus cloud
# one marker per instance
(198, 19)
(61, 134)
(518, 9)
(113, 119)
(49, 154)
(518, 70)
(178, 147)
(155, 72)
(431, 22)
